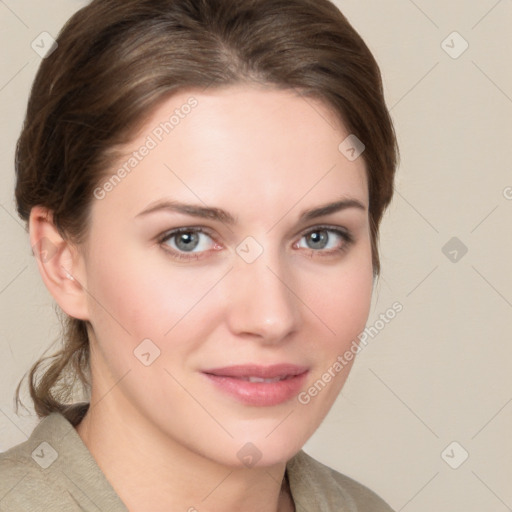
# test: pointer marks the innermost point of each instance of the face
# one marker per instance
(220, 294)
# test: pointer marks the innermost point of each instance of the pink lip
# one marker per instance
(231, 380)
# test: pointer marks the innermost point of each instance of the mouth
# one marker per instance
(261, 379)
(259, 385)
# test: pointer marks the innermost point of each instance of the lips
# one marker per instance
(271, 373)
(259, 385)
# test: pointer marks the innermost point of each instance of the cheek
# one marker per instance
(134, 298)
(341, 298)
(118, 287)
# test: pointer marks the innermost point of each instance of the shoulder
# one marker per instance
(23, 482)
(54, 471)
(318, 486)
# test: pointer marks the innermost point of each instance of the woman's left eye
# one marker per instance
(325, 240)
(189, 243)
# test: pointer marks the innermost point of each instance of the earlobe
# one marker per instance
(59, 264)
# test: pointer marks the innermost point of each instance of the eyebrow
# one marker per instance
(225, 217)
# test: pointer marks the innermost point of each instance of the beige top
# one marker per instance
(54, 471)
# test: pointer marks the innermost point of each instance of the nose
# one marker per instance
(261, 300)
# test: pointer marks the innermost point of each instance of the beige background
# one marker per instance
(441, 370)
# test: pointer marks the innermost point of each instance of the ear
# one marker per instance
(60, 264)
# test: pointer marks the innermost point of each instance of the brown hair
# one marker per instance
(116, 61)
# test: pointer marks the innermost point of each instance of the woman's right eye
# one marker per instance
(182, 242)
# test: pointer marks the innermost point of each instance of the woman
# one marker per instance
(203, 182)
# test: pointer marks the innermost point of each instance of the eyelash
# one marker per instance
(345, 235)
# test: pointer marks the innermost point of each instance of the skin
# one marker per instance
(264, 155)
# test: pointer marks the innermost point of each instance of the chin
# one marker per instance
(268, 447)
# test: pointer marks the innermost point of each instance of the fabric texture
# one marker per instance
(54, 471)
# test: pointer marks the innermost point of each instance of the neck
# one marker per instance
(138, 458)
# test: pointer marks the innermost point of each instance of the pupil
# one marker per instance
(188, 239)
(318, 238)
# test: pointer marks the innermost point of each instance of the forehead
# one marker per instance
(241, 145)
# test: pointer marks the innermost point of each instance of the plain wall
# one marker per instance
(440, 371)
